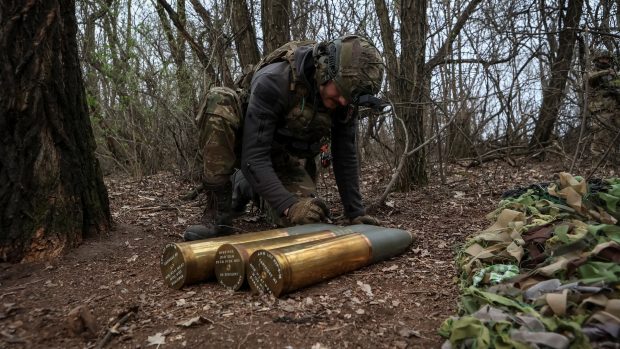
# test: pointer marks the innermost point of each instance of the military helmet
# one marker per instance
(353, 63)
(602, 58)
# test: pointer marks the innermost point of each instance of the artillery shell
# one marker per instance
(190, 262)
(282, 270)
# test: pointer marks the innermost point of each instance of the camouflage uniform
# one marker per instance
(604, 104)
(219, 120)
(220, 140)
(282, 123)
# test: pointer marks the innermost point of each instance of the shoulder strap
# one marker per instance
(284, 53)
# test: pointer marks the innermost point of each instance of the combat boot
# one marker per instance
(217, 217)
(242, 194)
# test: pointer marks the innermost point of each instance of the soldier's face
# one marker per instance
(603, 62)
(331, 96)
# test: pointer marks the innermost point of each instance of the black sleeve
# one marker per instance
(345, 162)
(268, 102)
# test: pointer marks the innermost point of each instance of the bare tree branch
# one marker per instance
(441, 54)
(196, 47)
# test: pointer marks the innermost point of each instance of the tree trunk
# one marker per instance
(553, 94)
(244, 33)
(275, 20)
(412, 87)
(459, 134)
(617, 12)
(605, 24)
(51, 188)
(389, 47)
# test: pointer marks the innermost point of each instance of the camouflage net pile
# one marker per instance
(546, 274)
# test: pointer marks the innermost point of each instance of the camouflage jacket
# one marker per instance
(278, 116)
(605, 79)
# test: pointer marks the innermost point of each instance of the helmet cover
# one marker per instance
(353, 63)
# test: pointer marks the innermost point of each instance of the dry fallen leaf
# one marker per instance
(49, 283)
(289, 308)
(80, 321)
(195, 321)
(366, 288)
(158, 339)
(400, 344)
(288, 305)
(390, 268)
(408, 333)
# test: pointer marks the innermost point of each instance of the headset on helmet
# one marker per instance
(353, 63)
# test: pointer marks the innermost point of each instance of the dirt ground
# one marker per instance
(117, 279)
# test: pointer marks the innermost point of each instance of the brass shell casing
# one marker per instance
(282, 270)
(231, 260)
(186, 263)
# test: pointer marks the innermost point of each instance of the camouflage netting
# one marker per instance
(546, 274)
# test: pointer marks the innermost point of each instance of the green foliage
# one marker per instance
(144, 120)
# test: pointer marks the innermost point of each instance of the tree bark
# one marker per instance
(275, 20)
(244, 33)
(412, 87)
(605, 24)
(51, 188)
(553, 94)
(389, 46)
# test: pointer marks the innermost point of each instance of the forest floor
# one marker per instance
(118, 277)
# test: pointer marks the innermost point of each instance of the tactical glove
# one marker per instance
(307, 210)
(365, 219)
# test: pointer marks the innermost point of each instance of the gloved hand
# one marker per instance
(307, 210)
(365, 219)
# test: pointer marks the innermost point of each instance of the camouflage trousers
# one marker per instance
(220, 120)
(605, 114)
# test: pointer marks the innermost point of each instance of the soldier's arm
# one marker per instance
(593, 76)
(268, 101)
(345, 166)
